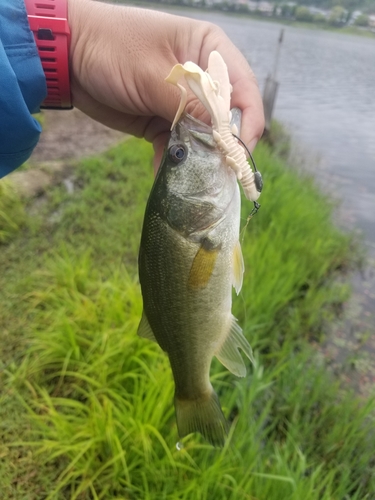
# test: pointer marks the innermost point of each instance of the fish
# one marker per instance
(189, 259)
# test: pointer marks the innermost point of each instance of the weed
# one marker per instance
(12, 215)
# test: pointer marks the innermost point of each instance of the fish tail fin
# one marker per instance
(203, 415)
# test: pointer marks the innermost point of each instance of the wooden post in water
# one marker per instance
(271, 86)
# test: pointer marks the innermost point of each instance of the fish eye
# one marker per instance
(177, 153)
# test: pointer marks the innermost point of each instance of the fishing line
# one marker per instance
(248, 152)
(249, 217)
(256, 204)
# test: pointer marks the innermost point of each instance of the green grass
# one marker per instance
(12, 215)
(86, 409)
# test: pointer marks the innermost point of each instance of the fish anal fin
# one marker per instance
(203, 415)
(202, 266)
(238, 268)
(144, 329)
(228, 353)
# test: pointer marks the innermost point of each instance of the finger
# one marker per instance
(246, 96)
(139, 126)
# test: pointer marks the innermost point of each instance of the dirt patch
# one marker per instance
(71, 135)
(34, 182)
(66, 136)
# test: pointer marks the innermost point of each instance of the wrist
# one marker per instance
(75, 10)
(80, 13)
(94, 41)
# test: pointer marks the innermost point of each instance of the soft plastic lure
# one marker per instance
(213, 89)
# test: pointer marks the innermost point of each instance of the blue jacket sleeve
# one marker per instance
(22, 86)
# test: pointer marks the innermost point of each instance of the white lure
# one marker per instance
(213, 89)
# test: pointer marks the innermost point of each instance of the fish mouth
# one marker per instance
(195, 132)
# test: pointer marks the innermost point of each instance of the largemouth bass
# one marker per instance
(189, 259)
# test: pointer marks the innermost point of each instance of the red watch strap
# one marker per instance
(48, 21)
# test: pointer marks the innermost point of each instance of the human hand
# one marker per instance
(120, 57)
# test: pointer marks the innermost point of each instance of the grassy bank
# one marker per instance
(86, 407)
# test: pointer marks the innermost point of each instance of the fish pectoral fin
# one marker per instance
(203, 415)
(203, 265)
(144, 329)
(238, 268)
(228, 353)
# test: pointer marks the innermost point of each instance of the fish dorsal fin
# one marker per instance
(202, 266)
(144, 329)
(238, 268)
(228, 353)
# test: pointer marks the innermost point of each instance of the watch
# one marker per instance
(49, 23)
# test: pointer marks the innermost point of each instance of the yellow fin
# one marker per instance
(238, 268)
(202, 267)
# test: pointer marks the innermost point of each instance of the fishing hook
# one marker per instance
(257, 178)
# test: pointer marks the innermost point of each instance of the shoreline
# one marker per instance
(345, 30)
